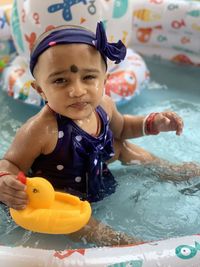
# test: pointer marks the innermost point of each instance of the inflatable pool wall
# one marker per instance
(167, 29)
(175, 252)
(163, 28)
(30, 18)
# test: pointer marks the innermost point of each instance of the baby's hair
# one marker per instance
(46, 33)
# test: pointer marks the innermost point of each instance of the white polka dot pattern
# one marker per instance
(60, 167)
(78, 179)
(60, 134)
(78, 138)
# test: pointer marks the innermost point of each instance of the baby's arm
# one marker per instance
(122, 126)
(129, 126)
(22, 152)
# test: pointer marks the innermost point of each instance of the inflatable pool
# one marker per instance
(153, 34)
(178, 252)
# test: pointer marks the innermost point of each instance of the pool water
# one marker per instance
(143, 205)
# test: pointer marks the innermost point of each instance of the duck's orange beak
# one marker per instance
(22, 178)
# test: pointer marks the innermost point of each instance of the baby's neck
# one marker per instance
(91, 124)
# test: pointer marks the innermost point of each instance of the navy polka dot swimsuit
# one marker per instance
(77, 163)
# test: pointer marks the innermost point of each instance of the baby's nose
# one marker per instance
(77, 89)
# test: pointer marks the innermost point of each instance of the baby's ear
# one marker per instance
(38, 89)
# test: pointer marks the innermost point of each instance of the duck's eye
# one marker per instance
(35, 190)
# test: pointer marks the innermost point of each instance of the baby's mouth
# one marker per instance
(79, 105)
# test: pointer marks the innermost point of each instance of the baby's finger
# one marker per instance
(176, 120)
(18, 207)
(16, 193)
(163, 123)
(12, 182)
(179, 125)
(12, 201)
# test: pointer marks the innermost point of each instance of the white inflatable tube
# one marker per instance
(175, 252)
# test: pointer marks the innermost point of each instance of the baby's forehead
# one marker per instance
(70, 51)
(71, 57)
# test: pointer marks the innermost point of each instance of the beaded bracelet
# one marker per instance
(4, 173)
(148, 128)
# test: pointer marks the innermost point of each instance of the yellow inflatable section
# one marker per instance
(49, 211)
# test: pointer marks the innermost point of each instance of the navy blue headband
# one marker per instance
(114, 51)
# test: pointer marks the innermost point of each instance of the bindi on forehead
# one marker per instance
(74, 68)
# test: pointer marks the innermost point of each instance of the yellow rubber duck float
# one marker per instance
(49, 211)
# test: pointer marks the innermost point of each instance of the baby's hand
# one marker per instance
(168, 121)
(12, 192)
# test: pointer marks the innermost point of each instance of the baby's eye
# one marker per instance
(89, 77)
(60, 81)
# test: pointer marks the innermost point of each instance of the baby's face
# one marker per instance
(71, 78)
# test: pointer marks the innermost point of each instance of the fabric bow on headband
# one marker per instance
(114, 51)
(69, 35)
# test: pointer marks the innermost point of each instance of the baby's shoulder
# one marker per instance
(40, 124)
(108, 105)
